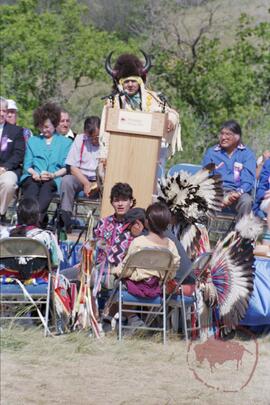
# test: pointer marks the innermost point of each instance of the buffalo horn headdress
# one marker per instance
(128, 65)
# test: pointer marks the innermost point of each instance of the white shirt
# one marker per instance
(1, 130)
(83, 155)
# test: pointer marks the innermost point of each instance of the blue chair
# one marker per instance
(23, 259)
(187, 167)
(146, 258)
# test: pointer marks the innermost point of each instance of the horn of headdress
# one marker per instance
(148, 64)
(108, 67)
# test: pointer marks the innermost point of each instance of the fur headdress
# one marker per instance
(128, 65)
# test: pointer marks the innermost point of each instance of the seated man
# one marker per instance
(236, 163)
(262, 200)
(12, 117)
(12, 148)
(83, 160)
(131, 94)
(63, 127)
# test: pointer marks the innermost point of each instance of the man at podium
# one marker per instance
(129, 93)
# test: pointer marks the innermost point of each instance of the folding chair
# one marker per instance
(23, 259)
(220, 224)
(188, 303)
(187, 167)
(147, 258)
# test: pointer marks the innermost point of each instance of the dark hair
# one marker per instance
(49, 111)
(135, 214)
(62, 110)
(91, 124)
(233, 126)
(158, 217)
(122, 190)
(28, 212)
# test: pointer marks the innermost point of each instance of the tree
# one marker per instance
(49, 53)
(210, 84)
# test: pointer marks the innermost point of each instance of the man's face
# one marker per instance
(228, 139)
(121, 205)
(64, 124)
(11, 116)
(94, 137)
(3, 113)
(47, 128)
(131, 87)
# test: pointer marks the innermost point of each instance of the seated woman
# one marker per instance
(145, 282)
(44, 162)
(262, 200)
(28, 218)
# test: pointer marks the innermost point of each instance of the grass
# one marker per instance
(81, 369)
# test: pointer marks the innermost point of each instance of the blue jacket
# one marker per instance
(263, 185)
(237, 171)
(40, 157)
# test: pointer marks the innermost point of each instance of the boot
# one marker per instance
(65, 220)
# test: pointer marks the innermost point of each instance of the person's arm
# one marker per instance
(259, 166)
(29, 161)
(65, 148)
(17, 156)
(176, 259)
(247, 176)
(104, 138)
(87, 185)
(263, 185)
(185, 262)
(207, 158)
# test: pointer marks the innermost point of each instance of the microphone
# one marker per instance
(162, 97)
(113, 94)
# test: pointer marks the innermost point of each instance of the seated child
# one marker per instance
(144, 282)
(112, 235)
(28, 218)
(136, 217)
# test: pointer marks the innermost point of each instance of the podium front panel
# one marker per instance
(132, 159)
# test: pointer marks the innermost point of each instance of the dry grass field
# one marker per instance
(77, 369)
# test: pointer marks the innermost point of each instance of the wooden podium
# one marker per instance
(134, 149)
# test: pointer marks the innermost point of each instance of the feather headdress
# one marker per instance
(191, 198)
(231, 270)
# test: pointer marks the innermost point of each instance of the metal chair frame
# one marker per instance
(148, 258)
(23, 247)
(200, 264)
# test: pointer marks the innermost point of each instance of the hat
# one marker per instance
(135, 214)
(11, 105)
(128, 65)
